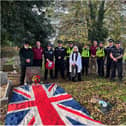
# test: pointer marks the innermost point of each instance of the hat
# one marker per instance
(70, 42)
(100, 42)
(60, 41)
(26, 42)
(111, 40)
(117, 42)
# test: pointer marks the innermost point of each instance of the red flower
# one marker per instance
(36, 79)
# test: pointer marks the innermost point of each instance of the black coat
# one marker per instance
(49, 54)
(26, 54)
(60, 52)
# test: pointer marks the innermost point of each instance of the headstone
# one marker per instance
(3, 78)
(7, 68)
(31, 71)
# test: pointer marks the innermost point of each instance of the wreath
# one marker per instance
(36, 79)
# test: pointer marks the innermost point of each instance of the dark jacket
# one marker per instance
(107, 52)
(26, 54)
(117, 52)
(60, 52)
(49, 54)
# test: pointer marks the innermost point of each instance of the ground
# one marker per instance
(85, 91)
(93, 86)
(112, 92)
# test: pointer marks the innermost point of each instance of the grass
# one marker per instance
(112, 92)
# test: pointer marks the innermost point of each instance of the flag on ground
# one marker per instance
(45, 104)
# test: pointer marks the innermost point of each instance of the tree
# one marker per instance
(24, 19)
(92, 19)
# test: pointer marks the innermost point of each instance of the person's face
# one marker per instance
(75, 49)
(60, 44)
(71, 45)
(85, 46)
(101, 45)
(95, 43)
(117, 45)
(26, 45)
(110, 43)
(38, 44)
(49, 47)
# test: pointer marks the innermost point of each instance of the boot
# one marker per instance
(79, 76)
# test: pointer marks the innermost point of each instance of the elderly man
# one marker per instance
(38, 52)
(93, 48)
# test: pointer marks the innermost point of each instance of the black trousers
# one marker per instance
(37, 62)
(100, 62)
(22, 77)
(85, 65)
(67, 66)
(108, 67)
(59, 67)
(78, 76)
(117, 66)
(46, 74)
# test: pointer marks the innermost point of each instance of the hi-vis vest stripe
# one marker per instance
(69, 51)
(100, 52)
(85, 52)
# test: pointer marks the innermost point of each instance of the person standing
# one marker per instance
(38, 52)
(49, 56)
(26, 59)
(117, 56)
(100, 53)
(108, 58)
(93, 65)
(68, 52)
(60, 53)
(75, 62)
(85, 59)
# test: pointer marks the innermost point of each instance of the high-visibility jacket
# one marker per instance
(100, 52)
(85, 53)
(69, 51)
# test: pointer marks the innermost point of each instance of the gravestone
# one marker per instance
(5, 87)
(3, 78)
(31, 71)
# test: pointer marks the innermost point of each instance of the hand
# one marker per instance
(93, 56)
(73, 64)
(114, 59)
(47, 60)
(59, 57)
(28, 60)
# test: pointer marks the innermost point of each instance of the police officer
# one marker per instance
(85, 59)
(117, 56)
(60, 53)
(69, 50)
(107, 54)
(100, 53)
(49, 56)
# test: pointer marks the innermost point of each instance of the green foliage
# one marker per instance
(97, 31)
(19, 21)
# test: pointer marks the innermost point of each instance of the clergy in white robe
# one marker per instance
(75, 59)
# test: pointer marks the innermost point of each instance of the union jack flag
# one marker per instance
(46, 104)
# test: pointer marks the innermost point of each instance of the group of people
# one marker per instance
(72, 60)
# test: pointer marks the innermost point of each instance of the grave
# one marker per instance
(31, 71)
(5, 87)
